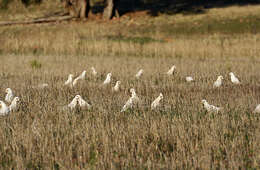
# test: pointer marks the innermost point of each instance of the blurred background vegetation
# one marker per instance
(155, 6)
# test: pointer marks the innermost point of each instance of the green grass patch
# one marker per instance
(249, 24)
(35, 64)
(137, 40)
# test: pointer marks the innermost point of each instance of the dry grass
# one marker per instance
(180, 134)
(142, 37)
(226, 32)
(99, 40)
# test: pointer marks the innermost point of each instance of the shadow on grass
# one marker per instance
(171, 7)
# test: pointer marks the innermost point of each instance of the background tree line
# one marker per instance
(111, 8)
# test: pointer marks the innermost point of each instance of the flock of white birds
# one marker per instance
(130, 103)
(133, 100)
(13, 103)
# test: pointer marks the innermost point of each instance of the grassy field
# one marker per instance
(180, 134)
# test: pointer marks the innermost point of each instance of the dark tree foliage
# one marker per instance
(112, 8)
(28, 2)
(4, 3)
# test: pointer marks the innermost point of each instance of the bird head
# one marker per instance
(118, 82)
(78, 97)
(109, 74)
(161, 96)
(221, 77)
(84, 72)
(2, 105)
(8, 90)
(17, 99)
(231, 73)
(71, 75)
(132, 90)
(203, 101)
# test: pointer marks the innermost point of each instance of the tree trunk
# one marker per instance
(77, 8)
(111, 9)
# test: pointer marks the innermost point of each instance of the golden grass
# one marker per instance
(180, 134)
(180, 36)
(94, 40)
(225, 32)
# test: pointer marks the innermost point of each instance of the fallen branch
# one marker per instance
(54, 14)
(44, 20)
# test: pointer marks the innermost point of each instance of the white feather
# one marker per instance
(156, 102)
(116, 87)
(9, 95)
(4, 110)
(108, 79)
(14, 105)
(139, 74)
(171, 71)
(131, 101)
(189, 79)
(218, 82)
(74, 102)
(233, 78)
(128, 104)
(93, 71)
(69, 81)
(83, 103)
(80, 77)
(257, 109)
(210, 108)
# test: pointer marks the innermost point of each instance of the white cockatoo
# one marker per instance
(189, 79)
(128, 104)
(171, 71)
(233, 78)
(134, 96)
(218, 82)
(75, 81)
(80, 77)
(14, 105)
(156, 102)
(83, 103)
(69, 81)
(74, 102)
(131, 101)
(108, 79)
(139, 74)
(4, 109)
(42, 86)
(210, 108)
(257, 109)
(9, 95)
(93, 71)
(80, 101)
(116, 88)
